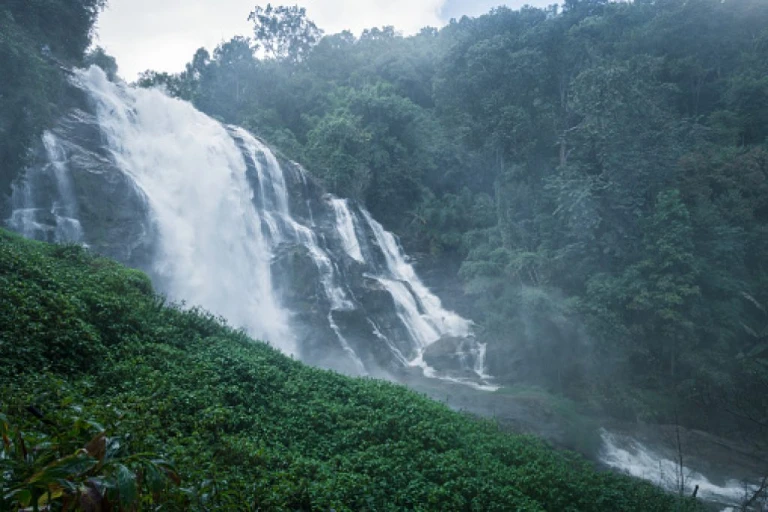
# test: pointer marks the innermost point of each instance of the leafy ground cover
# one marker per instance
(95, 365)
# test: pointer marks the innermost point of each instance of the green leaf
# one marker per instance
(68, 467)
(23, 496)
(154, 477)
(126, 485)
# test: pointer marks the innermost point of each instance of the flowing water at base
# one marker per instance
(630, 456)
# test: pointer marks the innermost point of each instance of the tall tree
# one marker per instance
(284, 32)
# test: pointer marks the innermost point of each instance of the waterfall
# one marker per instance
(275, 211)
(213, 251)
(239, 232)
(435, 320)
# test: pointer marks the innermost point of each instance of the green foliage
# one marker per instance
(337, 145)
(598, 173)
(63, 461)
(247, 427)
(65, 25)
(371, 147)
(283, 32)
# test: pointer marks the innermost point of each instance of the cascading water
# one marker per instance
(31, 221)
(346, 228)
(212, 251)
(434, 320)
(629, 455)
(422, 312)
(239, 234)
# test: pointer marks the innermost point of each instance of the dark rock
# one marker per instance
(452, 355)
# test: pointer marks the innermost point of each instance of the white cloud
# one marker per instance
(163, 34)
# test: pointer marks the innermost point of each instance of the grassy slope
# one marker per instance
(250, 426)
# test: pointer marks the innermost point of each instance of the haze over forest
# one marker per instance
(555, 217)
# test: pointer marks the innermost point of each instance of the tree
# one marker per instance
(337, 145)
(64, 25)
(171, 83)
(99, 57)
(655, 296)
(284, 32)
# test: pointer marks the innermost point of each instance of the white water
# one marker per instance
(480, 361)
(634, 458)
(435, 320)
(275, 211)
(65, 208)
(270, 175)
(271, 188)
(217, 242)
(212, 250)
(421, 311)
(346, 228)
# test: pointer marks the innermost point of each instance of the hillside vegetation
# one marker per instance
(88, 347)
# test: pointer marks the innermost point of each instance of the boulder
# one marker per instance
(452, 356)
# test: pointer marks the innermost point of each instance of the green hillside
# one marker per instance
(87, 346)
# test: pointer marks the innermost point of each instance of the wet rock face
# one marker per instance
(296, 277)
(297, 285)
(112, 213)
(371, 312)
(357, 331)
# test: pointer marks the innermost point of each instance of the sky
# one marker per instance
(163, 34)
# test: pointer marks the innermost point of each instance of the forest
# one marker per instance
(596, 176)
(588, 181)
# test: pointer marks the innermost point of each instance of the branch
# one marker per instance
(756, 494)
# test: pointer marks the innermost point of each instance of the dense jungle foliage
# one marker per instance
(37, 39)
(597, 176)
(102, 384)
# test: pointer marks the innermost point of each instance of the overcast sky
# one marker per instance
(163, 34)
